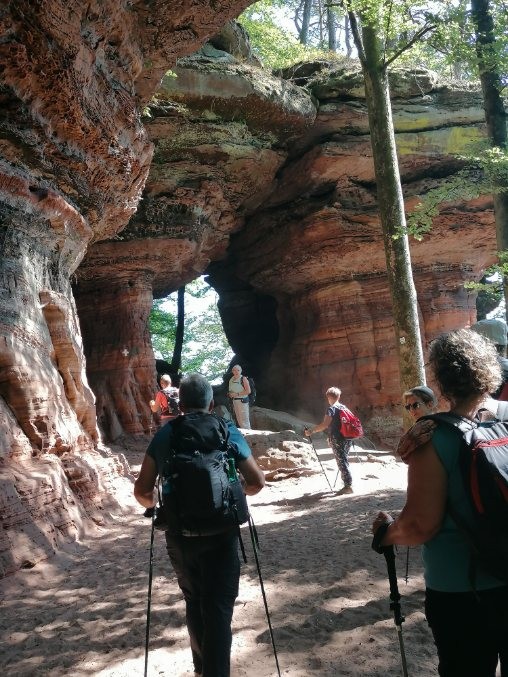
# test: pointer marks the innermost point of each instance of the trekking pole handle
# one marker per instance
(379, 534)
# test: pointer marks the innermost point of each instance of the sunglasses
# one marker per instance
(415, 405)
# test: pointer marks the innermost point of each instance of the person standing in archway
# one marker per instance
(238, 392)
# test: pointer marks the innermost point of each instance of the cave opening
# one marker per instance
(204, 346)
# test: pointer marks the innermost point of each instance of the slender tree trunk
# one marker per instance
(304, 31)
(347, 36)
(176, 362)
(391, 209)
(495, 114)
(321, 21)
(332, 32)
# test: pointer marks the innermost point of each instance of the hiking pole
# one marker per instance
(255, 547)
(319, 460)
(150, 576)
(389, 554)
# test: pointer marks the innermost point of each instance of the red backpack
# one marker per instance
(350, 425)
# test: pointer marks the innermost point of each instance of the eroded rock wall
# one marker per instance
(74, 157)
(280, 209)
(315, 246)
(221, 131)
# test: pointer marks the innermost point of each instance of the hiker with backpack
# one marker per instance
(238, 391)
(193, 456)
(457, 507)
(166, 401)
(343, 426)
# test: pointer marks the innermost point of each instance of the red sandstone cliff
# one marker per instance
(74, 160)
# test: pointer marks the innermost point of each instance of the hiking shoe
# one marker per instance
(345, 490)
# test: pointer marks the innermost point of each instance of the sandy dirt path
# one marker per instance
(84, 611)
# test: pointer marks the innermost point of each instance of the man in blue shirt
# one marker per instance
(207, 566)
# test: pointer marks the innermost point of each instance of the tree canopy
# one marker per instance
(281, 35)
(205, 347)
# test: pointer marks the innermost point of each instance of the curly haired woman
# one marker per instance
(469, 620)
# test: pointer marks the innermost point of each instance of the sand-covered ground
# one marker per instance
(84, 611)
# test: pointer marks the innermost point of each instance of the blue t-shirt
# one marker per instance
(334, 428)
(160, 444)
(446, 556)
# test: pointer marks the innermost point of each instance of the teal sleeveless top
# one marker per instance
(446, 556)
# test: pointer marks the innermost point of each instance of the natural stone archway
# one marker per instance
(314, 246)
(301, 215)
(209, 172)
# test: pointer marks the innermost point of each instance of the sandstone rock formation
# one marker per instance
(74, 160)
(315, 247)
(266, 186)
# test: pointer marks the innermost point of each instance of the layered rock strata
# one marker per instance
(74, 157)
(214, 163)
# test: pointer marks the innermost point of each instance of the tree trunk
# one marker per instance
(347, 36)
(304, 31)
(391, 209)
(176, 362)
(332, 33)
(495, 114)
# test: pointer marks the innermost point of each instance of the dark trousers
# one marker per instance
(341, 448)
(208, 571)
(470, 631)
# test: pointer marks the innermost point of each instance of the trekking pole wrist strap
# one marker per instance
(379, 534)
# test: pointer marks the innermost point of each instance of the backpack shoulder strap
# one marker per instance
(460, 423)
(223, 429)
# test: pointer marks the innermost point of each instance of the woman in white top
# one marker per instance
(239, 391)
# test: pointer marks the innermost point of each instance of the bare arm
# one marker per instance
(423, 513)
(325, 423)
(252, 474)
(155, 404)
(145, 484)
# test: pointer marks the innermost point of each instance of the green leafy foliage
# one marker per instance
(449, 48)
(460, 187)
(162, 325)
(490, 291)
(205, 347)
(276, 46)
(485, 173)
(454, 39)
